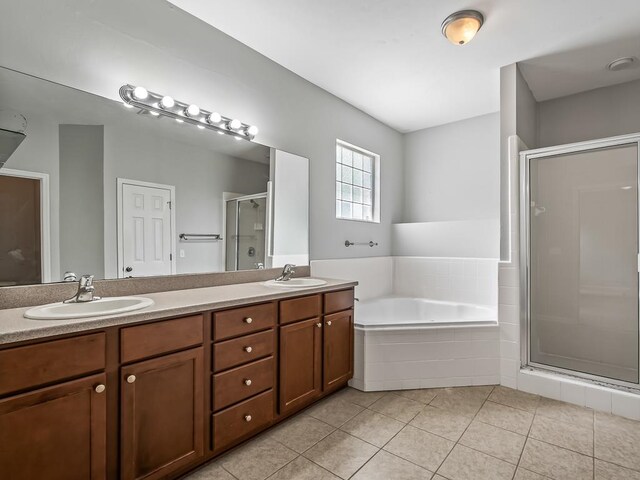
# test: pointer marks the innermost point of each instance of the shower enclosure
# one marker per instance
(245, 232)
(579, 259)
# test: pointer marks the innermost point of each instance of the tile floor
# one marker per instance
(464, 433)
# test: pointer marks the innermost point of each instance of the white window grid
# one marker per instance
(355, 183)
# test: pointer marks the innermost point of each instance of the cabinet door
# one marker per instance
(338, 348)
(55, 433)
(300, 363)
(162, 414)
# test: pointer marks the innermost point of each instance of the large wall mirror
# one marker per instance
(97, 188)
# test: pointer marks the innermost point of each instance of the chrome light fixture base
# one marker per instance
(177, 111)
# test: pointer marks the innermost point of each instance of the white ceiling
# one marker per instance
(388, 57)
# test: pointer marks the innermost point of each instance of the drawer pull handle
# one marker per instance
(319, 325)
(100, 388)
(247, 382)
(248, 349)
(247, 418)
(131, 378)
(248, 320)
(329, 322)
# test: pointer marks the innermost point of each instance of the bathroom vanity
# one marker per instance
(156, 393)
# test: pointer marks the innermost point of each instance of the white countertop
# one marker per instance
(15, 328)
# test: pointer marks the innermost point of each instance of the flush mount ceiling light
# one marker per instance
(166, 106)
(462, 26)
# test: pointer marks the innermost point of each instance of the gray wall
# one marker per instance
(452, 172)
(93, 46)
(599, 113)
(81, 199)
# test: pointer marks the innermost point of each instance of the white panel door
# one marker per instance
(146, 231)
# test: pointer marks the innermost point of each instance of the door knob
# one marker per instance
(128, 269)
(100, 388)
(248, 349)
(247, 382)
(131, 378)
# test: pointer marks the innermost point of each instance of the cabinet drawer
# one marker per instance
(300, 309)
(337, 301)
(240, 321)
(232, 353)
(240, 420)
(35, 365)
(161, 337)
(242, 382)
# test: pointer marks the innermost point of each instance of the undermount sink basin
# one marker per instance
(95, 308)
(297, 283)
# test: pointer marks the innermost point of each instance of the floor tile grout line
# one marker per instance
(465, 430)
(526, 439)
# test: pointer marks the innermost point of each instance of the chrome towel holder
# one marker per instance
(199, 236)
(371, 243)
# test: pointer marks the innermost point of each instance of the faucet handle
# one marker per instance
(86, 280)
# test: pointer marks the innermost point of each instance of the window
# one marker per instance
(357, 183)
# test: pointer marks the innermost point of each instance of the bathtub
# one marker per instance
(406, 313)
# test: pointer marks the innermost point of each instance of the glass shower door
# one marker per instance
(583, 262)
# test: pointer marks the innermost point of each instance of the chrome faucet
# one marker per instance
(85, 291)
(287, 273)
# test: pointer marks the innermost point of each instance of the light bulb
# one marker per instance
(252, 130)
(179, 120)
(220, 133)
(167, 102)
(127, 105)
(214, 117)
(140, 93)
(237, 138)
(235, 124)
(200, 127)
(155, 114)
(192, 111)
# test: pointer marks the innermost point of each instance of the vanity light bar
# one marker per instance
(163, 105)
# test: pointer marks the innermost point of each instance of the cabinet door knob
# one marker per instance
(329, 322)
(319, 325)
(100, 388)
(248, 320)
(247, 381)
(131, 378)
(247, 418)
(248, 349)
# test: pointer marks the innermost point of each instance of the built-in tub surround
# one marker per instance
(454, 341)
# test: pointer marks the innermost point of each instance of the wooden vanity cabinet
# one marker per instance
(162, 414)
(338, 349)
(316, 354)
(300, 364)
(57, 433)
(155, 400)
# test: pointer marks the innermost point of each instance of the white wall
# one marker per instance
(98, 46)
(452, 172)
(374, 275)
(447, 239)
(600, 113)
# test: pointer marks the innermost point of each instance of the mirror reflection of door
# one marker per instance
(146, 229)
(21, 255)
(245, 231)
